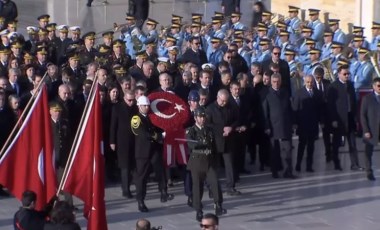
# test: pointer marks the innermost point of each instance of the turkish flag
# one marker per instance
(85, 172)
(28, 161)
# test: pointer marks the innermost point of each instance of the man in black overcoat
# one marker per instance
(307, 105)
(370, 121)
(222, 117)
(122, 139)
(278, 125)
(341, 105)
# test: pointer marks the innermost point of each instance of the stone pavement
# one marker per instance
(324, 200)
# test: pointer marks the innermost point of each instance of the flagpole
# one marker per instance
(20, 119)
(86, 107)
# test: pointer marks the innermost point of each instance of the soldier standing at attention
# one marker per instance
(202, 163)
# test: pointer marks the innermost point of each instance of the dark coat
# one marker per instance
(7, 121)
(68, 226)
(146, 136)
(278, 114)
(121, 133)
(284, 71)
(230, 6)
(140, 9)
(370, 118)
(9, 11)
(218, 118)
(61, 138)
(238, 65)
(29, 219)
(341, 98)
(198, 58)
(308, 112)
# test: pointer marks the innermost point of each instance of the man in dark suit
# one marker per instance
(278, 125)
(370, 121)
(194, 54)
(139, 9)
(341, 105)
(307, 105)
(283, 68)
(243, 106)
(122, 138)
(205, 80)
(322, 85)
(222, 117)
(147, 153)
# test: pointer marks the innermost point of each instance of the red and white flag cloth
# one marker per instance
(85, 172)
(171, 113)
(28, 161)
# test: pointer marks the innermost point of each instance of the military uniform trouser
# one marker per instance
(199, 176)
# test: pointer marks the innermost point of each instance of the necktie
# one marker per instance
(310, 92)
(378, 98)
(237, 101)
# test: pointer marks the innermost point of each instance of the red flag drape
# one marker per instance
(85, 172)
(28, 161)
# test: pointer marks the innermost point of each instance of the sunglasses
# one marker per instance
(228, 57)
(205, 226)
(346, 74)
(378, 86)
(196, 43)
(130, 100)
(276, 53)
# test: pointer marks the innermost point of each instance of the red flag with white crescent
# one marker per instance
(85, 177)
(28, 161)
(171, 113)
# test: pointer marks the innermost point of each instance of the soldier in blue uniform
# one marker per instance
(362, 76)
(127, 35)
(266, 17)
(236, 24)
(317, 26)
(358, 42)
(243, 50)
(375, 36)
(326, 48)
(280, 27)
(261, 33)
(152, 35)
(303, 55)
(265, 53)
(314, 55)
(339, 35)
(285, 44)
(358, 31)
(336, 55)
(215, 53)
(294, 23)
(163, 48)
(290, 58)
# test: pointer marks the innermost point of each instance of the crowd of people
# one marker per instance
(249, 89)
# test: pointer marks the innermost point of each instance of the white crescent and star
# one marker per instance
(154, 103)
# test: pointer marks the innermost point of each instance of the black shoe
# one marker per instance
(4, 193)
(337, 167)
(170, 183)
(219, 210)
(275, 175)
(89, 4)
(356, 168)
(127, 195)
(245, 171)
(310, 170)
(298, 168)
(210, 195)
(199, 216)
(328, 159)
(262, 168)
(142, 207)
(166, 196)
(289, 175)
(371, 177)
(190, 201)
(233, 192)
